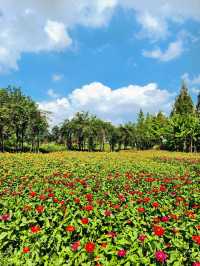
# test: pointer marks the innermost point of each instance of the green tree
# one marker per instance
(183, 104)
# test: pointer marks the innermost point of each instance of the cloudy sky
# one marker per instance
(109, 57)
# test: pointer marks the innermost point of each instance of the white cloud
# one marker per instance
(57, 77)
(57, 34)
(177, 10)
(153, 27)
(194, 82)
(36, 25)
(58, 109)
(154, 15)
(174, 50)
(52, 93)
(118, 105)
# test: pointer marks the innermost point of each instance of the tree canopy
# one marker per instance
(23, 127)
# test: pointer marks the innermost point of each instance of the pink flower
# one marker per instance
(5, 217)
(107, 213)
(75, 245)
(112, 234)
(142, 238)
(161, 256)
(197, 263)
(165, 219)
(121, 253)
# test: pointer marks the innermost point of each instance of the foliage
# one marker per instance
(24, 127)
(21, 121)
(126, 208)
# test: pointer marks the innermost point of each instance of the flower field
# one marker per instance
(126, 208)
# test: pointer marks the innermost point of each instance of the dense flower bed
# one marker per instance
(97, 209)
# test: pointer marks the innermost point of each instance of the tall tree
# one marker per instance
(198, 104)
(183, 104)
(4, 117)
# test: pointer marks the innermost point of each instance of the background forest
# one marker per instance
(23, 127)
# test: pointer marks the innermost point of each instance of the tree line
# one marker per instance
(21, 122)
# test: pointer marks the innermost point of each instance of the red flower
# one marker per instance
(51, 195)
(62, 202)
(121, 198)
(158, 230)
(26, 250)
(77, 200)
(84, 220)
(89, 208)
(146, 200)
(40, 209)
(140, 209)
(165, 219)
(42, 197)
(116, 206)
(161, 256)
(107, 213)
(163, 188)
(89, 197)
(142, 238)
(35, 229)
(55, 200)
(70, 228)
(155, 204)
(196, 239)
(75, 245)
(121, 253)
(89, 247)
(32, 194)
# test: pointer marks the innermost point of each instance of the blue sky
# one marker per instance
(110, 57)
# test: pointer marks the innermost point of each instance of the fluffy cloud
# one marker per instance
(153, 27)
(45, 25)
(36, 26)
(57, 34)
(118, 105)
(176, 10)
(174, 50)
(153, 16)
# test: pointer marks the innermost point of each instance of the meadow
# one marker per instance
(80, 208)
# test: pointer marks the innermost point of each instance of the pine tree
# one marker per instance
(183, 104)
(198, 104)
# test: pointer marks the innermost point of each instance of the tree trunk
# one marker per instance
(17, 139)
(22, 142)
(2, 141)
(191, 144)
